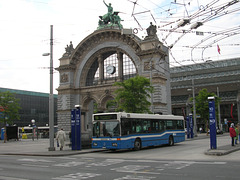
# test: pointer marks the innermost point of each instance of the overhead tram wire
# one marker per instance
(208, 9)
(209, 18)
(191, 17)
(217, 40)
(224, 33)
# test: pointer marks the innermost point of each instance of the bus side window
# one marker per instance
(154, 126)
(180, 125)
(126, 127)
(162, 126)
(146, 126)
(139, 127)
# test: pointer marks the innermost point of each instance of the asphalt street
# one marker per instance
(40, 147)
(191, 159)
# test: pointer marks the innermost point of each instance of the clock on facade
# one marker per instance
(111, 69)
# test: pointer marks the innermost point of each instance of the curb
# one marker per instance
(53, 154)
(216, 152)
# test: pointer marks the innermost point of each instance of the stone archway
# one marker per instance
(102, 58)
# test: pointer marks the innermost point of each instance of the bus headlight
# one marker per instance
(114, 144)
(94, 144)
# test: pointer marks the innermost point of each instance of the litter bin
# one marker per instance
(2, 133)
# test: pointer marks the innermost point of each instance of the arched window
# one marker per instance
(111, 67)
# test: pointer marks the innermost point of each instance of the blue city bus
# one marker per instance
(135, 131)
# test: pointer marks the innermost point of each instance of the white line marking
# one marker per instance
(33, 165)
(11, 178)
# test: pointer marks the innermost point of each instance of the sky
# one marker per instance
(25, 33)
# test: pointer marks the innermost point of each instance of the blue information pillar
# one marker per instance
(76, 129)
(188, 128)
(191, 125)
(212, 120)
(73, 122)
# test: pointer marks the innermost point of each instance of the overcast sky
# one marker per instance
(25, 33)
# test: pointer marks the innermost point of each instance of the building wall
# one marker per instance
(77, 71)
(222, 76)
(34, 105)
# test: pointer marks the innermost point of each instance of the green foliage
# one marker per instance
(95, 107)
(9, 106)
(133, 94)
(111, 105)
(201, 103)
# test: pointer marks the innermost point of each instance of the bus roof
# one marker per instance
(143, 116)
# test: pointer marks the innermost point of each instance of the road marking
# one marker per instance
(129, 177)
(11, 178)
(35, 160)
(107, 162)
(77, 176)
(35, 165)
(70, 164)
(69, 158)
(134, 169)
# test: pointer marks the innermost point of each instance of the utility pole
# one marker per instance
(51, 98)
(151, 85)
(219, 112)
(194, 110)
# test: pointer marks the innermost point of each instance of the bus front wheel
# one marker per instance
(170, 141)
(137, 144)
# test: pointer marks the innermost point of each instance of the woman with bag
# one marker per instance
(232, 133)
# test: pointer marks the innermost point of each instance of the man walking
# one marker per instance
(61, 137)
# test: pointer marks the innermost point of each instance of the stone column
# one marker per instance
(101, 69)
(120, 66)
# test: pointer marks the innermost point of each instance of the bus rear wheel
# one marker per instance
(137, 144)
(171, 141)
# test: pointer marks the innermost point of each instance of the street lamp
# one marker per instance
(51, 98)
(194, 109)
(33, 128)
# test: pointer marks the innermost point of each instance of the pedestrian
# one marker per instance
(61, 137)
(232, 133)
(237, 133)
(200, 130)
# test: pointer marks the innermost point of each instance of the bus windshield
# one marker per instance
(106, 128)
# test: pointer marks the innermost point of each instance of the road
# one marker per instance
(182, 161)
(77, 168)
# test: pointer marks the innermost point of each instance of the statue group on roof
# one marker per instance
(110, 19)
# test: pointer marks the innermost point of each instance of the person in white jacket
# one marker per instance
(61, 137)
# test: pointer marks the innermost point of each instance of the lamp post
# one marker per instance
(33, 128)
(51, 98)
(194, 109)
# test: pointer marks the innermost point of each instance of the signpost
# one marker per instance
(188, 128)
(191, 125)
(76, 128)
(212, 120)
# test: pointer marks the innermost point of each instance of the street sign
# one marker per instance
(76, 129)
(212, 120)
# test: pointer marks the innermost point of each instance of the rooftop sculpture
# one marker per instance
(110, 19)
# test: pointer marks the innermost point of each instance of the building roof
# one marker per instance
(30, 93)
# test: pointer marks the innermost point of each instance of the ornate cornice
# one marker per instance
(66, 68)
(101, 36)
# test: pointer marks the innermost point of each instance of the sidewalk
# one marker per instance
(222, 149)
(39, 147)
(28, 147)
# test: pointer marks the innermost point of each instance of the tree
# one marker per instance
(133, 95)
(201, 102)
(9, 107)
